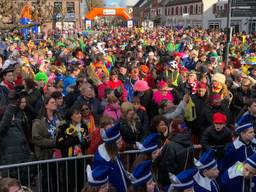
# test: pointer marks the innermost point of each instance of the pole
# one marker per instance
(229, 33)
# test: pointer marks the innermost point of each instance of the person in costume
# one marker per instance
(171, 74)
(241, 176)
(107, 155)
(219, 87)
(98, 180)
(205, 178)
(141, 178)
(243, 146)
(182, 182)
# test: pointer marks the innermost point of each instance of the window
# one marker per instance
(57, 10)
(191, 9)
(177, 10)
(70, 7)
(172, 10)
(168, 11)
(196, 9)
(185, 9)
(181, 11)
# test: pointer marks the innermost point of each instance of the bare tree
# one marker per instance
(10, 13)
(94, 3)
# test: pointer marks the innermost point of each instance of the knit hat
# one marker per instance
(111, 134)
(218, 77)
(149, 144)
(206, 161)
(243, 123)
(182, 181)
(141, 173)
(251, 160)
(202, 86)
(141, 86)
(219, 118)
(98, 176)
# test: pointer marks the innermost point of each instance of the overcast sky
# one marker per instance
(119, 3)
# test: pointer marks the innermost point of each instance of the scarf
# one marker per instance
(9, 85)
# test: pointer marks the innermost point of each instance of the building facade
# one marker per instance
(247, 24)
(194, 13)
(66, 14)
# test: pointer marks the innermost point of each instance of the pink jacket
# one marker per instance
(113, 111)
(158, 97)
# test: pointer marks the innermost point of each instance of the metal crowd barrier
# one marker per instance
(57, 175)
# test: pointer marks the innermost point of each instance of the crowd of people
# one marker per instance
(166, 92)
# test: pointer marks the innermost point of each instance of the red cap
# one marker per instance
(219, 118)
(202, 86)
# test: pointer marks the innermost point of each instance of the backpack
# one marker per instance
(190, 111)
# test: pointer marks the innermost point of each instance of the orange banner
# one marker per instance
(108, 12)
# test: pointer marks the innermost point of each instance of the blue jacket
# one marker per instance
(237, 151)
(204, 184)
(117, 177)
(129, 88)
(233, 180)
(190, 64)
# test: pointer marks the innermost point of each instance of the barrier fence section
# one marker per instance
(57, 175)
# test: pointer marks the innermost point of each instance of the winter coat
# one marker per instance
(71, 97)
(42, 140)
(146, 101)
(239, 98)
(205, 120)
(129, 135)
(216, 139)
(4, 100)
(113, 111)
(199, 105)
(13, 143)
(34, 103)
(143, 118)
(174, 156)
